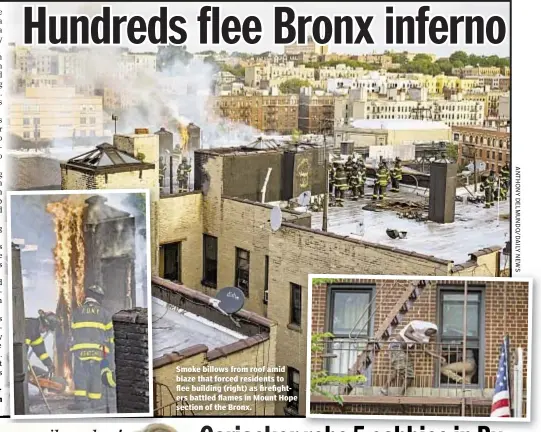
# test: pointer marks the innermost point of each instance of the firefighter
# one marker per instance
(354, 182)
(37, 330)
(362, 178)
(183, 174)
(505, 175)
(340, 184)
(488, 186)
(380, 184)
(332, 171)
(92, 334)
(163, 169)
(349, 166)
(396, 176)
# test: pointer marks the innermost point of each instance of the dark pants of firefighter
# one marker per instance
(339, 193)
(183, 184)
(489, 197)
(395, 184)
(87, 380)
(379, 191)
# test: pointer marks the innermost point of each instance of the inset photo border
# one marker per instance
(395, 346)
(79, 274)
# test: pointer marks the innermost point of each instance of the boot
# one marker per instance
(77, 406)
(97, 405)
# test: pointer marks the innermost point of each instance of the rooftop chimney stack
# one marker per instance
(442, 191)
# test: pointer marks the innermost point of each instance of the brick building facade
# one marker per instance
(489, 145)
(495, 309)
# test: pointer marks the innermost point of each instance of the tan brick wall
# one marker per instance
(260, 355)
(76, 180)
(179, 218)
(506, 312)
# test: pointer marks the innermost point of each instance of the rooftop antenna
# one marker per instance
(275, 218)
(229, 301)
(304, 199)
(114, 117)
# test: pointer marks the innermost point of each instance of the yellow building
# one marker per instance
(271, 75)
(219, 240)
(55, 112)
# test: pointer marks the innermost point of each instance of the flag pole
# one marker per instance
(506, 347)
(464, 340)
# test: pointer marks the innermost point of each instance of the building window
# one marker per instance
(92, 120)
(210, 260)
(92, 133)
(242, 271)
(293, 382)
(26, 121)
(451, 325)
(83, 120)
(26, 135)
(351, 326)
(171, 262)
(266, 286)
(295, 305)
(36, 121)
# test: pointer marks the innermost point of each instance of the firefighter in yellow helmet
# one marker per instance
(92, 335)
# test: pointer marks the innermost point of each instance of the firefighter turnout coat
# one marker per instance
(92, 331)
(35, 341)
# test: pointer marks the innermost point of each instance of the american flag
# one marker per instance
(501, 402)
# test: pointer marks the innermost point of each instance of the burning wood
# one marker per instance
(69, 257)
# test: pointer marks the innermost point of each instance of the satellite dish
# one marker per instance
(482, 166)
(276, 218)
(304, 199)
(231, 299)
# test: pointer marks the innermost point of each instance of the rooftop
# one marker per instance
(399, 124)
(105, 156)
(474, 228)
(176, 329)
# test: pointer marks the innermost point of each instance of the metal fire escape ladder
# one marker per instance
(386, 329)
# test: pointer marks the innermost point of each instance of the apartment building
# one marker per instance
(488, 145)
(309, 48)
(265, 113)
(216, 240)
(340, 71)
(355, 310)
(453, 111)
(319, 114)
(491, 100)
(473, 71)
(270, 75)
(55, 112)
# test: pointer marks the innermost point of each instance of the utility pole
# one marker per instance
(326, 196)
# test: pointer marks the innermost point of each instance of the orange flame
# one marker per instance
(69, 260)
(184, 137)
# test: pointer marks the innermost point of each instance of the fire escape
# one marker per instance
(385, 330)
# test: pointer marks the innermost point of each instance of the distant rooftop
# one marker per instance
(179, 329)
(474, 228)
(399, 124)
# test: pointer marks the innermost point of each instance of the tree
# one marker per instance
(293, 85)
(452, 151)
(422, 57)
(168, 55)
(400, 58)
(459, 56)
(321, 378)
(445, 66)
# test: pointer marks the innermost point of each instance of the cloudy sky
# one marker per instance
(265, 12)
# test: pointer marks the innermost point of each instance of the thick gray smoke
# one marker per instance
(154, 98)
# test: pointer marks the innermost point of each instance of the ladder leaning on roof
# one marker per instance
(386, 329)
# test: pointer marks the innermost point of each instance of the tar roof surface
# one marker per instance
(175, 330)
(474, 228)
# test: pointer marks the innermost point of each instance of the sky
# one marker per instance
(265, 12)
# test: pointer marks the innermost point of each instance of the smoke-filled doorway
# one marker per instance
(170, 261)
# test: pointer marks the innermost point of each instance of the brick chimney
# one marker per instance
(132, 361)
